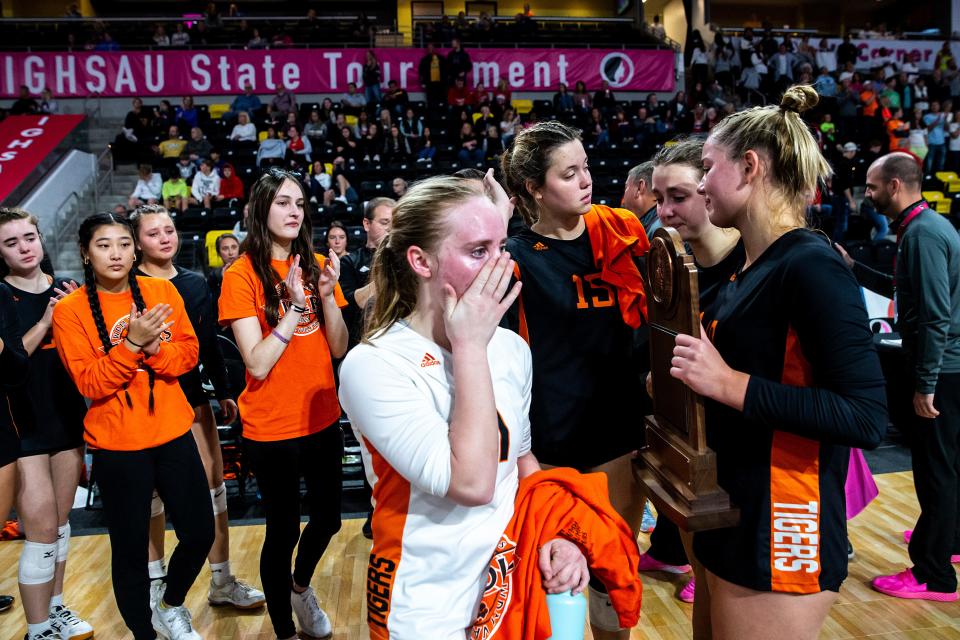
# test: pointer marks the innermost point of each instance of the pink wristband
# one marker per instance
(280, 337)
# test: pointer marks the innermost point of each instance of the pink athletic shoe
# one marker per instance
(904, 585)
(686, 594)
(649, 563)
(909, 534)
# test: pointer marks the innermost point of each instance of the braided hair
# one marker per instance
(87, 227)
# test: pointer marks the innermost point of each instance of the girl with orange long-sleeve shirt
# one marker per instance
(125, 340)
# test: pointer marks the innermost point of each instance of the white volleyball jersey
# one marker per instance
(428, 565)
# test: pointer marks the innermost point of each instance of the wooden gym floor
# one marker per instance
(860, 612)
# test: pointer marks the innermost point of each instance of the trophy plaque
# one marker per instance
(677, 468)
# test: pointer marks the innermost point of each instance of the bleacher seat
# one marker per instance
(218, 109)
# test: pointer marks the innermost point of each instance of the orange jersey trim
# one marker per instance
(795, 561)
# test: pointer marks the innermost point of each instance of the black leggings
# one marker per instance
(278, 467)
(127, 480)
(935, 445)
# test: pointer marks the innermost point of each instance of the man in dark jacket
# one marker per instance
(927, 286)
(433, 73)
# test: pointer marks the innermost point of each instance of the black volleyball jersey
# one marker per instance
(58, 407)
(199, 303)
(584, 370)
(795, 321)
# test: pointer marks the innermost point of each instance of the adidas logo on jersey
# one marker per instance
(540, 247)
(428, 360)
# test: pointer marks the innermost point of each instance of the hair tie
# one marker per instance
(786, 108)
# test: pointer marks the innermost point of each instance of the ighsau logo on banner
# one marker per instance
(617, 69)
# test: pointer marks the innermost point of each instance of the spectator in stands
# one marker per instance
(174, 144)
(107, 43)
(272, 149)
(953, 143)
(337, 238)
(320, 184)
(160, 37)
(480, 97)
(847, 52)
(485, 119)
(362, 126)
(656, 29)
(492, 143)
(247, 101)
(604, 99)
(256, 41)
(120, 210)
(412, 128)
(185, 167)
(502, 95)
(459, 96)
(282, 104)
(180, 37)
(346, 146)
(582, 101)
(48, 104)
(848, 174)
(395, 99)
(298, 147)
(24, 104)
(198, 147)
(206, 186)
(399, 186)
(898, 131)
(327, 111)
(136, 125)
(783, 63)
(187, 114)
(244, 130)
(936, 126)
(596, 130)
(211, 17)
(228, 248)
(396, 148)
(341, 177)
(175, 191)
(725, 56)
(432, 71)
(372, 77)
(149, 187)
(73, 11)
(371, 143)
(163, 117)
(825, 85)
(471, 150)
(315, 130)
(231, 186)
(699, 61)
(353, 102)
(386, 120)
(508, 125)
(562, 100)
(917, 138)
(427, 148)
(458, 62)
(639, 198)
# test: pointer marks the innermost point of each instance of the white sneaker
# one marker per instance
(173, 623)
(46, 634)
(157, 587)
(313, 621)
(237, 594)
(68, 625)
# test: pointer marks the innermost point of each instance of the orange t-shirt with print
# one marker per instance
(299, 396)
(111, 422)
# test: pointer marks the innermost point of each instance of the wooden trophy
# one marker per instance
(676, 466)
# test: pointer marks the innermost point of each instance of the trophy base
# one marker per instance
(701, 514)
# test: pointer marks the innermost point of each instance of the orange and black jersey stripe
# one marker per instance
(794, 320)
(585, 373)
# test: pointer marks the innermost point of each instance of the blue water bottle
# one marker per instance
(568, 615)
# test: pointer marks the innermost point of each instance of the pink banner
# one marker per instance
(25, 141)
(225, 72)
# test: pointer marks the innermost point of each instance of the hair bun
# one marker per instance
(799, 98)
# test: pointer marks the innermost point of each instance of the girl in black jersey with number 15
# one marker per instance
(791, 379)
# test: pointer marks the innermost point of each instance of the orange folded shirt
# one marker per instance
(617, 237)
(559, 503)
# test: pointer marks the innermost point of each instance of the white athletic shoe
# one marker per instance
(157, 587)
(235, 593)
(68, 625)
(173, 623)
(313, 621)
(46, 634)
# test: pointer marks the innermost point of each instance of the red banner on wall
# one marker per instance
(25, 141)
(225, 72)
